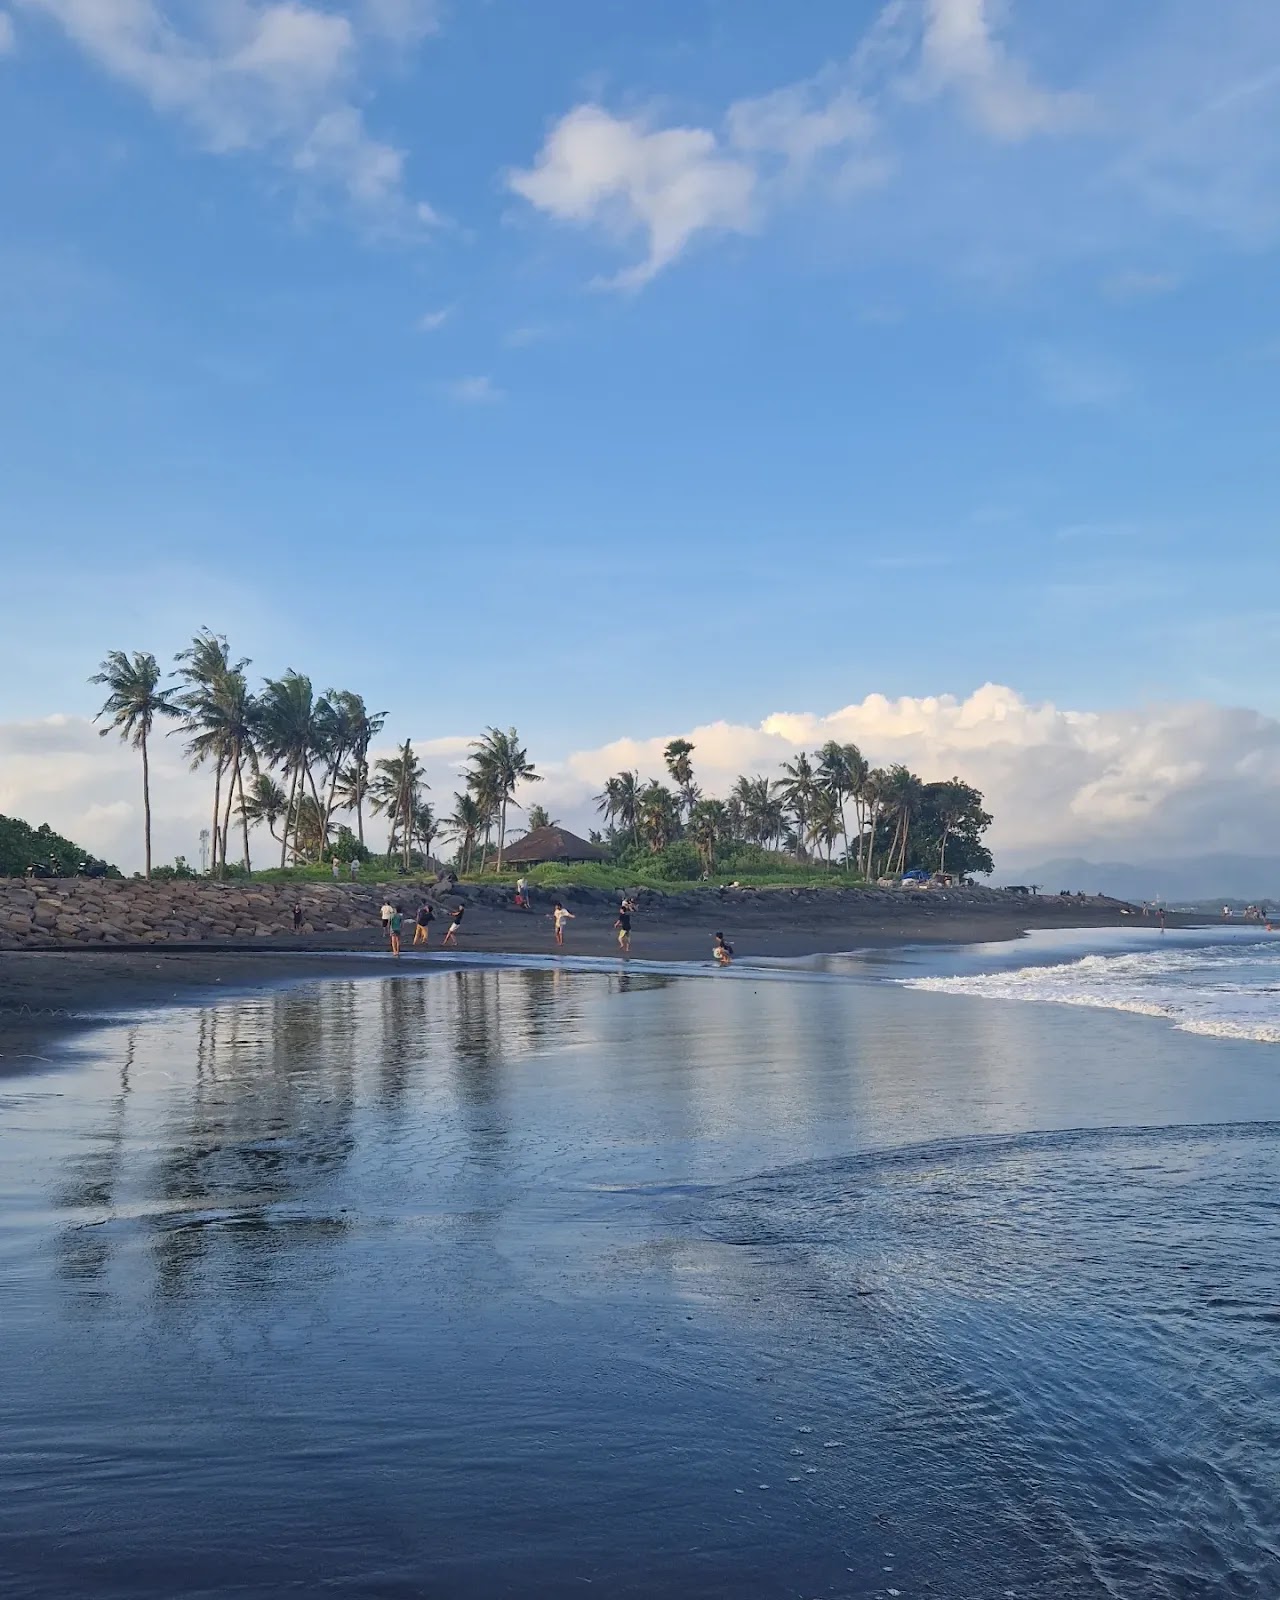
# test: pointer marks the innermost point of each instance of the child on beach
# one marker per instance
(455, 922)
(395, 926)
(560, 916)
(422, 925)
(623, 925)
(721, 953)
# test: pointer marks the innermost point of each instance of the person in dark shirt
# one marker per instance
(297, 918)
(455, 922)
(721, 953)
(623, 925)
(422, 925)
(397, 920)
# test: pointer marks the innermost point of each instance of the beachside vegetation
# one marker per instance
(46, 853)
(291, 760)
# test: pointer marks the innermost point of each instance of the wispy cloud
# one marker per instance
(1079, 379)
(475, 391)
(433, 321)
(1135, 285)
(256, 76)
(8, 36)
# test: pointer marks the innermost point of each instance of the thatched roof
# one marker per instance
(551, 844)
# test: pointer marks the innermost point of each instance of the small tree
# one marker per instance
(134, 702)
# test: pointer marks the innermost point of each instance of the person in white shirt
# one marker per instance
(387, 910)
(522, 889)
(560, 916)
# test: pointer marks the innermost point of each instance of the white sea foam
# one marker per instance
(1225, 991)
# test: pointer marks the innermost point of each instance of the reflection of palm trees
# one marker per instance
(84, 1247)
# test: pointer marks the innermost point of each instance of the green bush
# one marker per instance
(22, 846)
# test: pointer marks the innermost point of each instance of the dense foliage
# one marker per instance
(22, 846)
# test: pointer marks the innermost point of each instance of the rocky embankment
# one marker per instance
(67, 912)
(87, 911)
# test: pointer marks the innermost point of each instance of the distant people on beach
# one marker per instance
(297, 918)
(455, 922)
(355, 870)
(337, 869)
(623, 925)
(385, 914)
(422, 923)
(721, 951)
(522, 894)
(397, 919)
(560, 916)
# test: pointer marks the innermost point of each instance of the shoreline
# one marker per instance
(50, 994)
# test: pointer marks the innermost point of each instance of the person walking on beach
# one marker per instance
(522, 893)
(623, 925)
(396, 923)
(297, 918)
(455, 922)
(385, 914)
(721, 953)
(422, 924)
(560, 916)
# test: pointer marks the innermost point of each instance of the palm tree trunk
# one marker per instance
(244, 816)
(360, 799)
(502, 831)
(217, 812)
(288, 818)
(146, 804)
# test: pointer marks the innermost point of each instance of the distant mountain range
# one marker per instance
(1184, 880)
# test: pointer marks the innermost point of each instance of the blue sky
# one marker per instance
(612, 369)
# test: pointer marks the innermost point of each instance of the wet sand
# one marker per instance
(43, 992)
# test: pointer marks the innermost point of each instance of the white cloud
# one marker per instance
(433, 321)
(270, 75)
(475, 391)
(8, 37)
(666, 184)
(1141, 783)
(401, 22)
(961, 52)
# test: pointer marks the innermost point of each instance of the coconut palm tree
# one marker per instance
(396, 789)
(500, 764)
(708, 826)
(134, 701)
(264, 801)
(798, 790)
(540, 817)
(875, 799)
(826, 824)
(658, 815)
(464, 826)
(203, 668)
(289, 737)
(841, 770)
(905, 792)
(619, 801)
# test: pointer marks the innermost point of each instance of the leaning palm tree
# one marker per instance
(264, 801)
(343, 730)
(367, 725)
(464, 826)
(500, 764)
(134, 701)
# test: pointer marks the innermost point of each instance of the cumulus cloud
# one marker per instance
(248, 75)
(666, 184)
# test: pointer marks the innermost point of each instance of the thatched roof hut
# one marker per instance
(550, 844)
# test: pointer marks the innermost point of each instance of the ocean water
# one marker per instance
(1220, 982)
(505, 1281)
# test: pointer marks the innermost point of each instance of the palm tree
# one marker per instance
(540, 817)
(677, 757)
(264, 801)
(134, 701)
(203, 668)
(620, 802)
(499, 764)
(826, 824)
(708, 825)
(841, 770)
(352, 789)
(798, 789)
(762, 811)
(658, 815)
(904, 794)
(289, 737)
(464, 826)
(397, 790)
